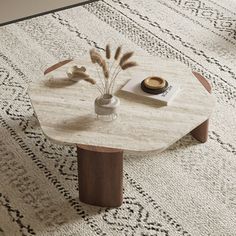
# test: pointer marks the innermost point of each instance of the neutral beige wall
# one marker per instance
(15, 9)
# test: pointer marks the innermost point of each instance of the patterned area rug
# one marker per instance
(189, 189)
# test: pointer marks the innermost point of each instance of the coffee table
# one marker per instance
(65, 111)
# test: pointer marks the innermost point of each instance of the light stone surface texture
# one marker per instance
(65, 109)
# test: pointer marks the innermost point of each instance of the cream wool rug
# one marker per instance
(190, 189)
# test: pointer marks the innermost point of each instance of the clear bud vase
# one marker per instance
(106, 107)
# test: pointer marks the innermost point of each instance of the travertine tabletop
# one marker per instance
(65, 110)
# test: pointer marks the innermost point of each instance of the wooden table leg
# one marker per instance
(100, 176)
(201, 132)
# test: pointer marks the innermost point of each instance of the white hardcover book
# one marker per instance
(165, 98)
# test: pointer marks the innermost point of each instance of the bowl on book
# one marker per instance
(154, 85)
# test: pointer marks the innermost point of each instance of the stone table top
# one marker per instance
(65, 110)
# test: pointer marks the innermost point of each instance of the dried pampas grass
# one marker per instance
(117, 54)
(96, 57)
(91, 53)
(120, 62)
(128, 65)
(105, 70)
(108, 51)
(126, 57)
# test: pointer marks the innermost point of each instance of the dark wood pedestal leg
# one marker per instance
(201, 132)
(100, 176)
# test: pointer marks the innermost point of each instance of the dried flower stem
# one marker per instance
(108, 51)
(128, 65)
(113, 80)
(99, 76)
(97, 59)
(110, 69)
(116, 57)
(117, 54)
(116, 70)
(125, 57)
(106, 74)
(105, 70)
(125, 66)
